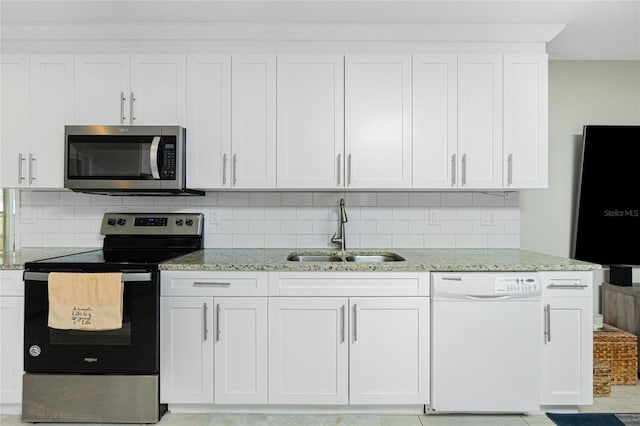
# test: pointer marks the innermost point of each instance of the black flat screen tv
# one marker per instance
(607, 223)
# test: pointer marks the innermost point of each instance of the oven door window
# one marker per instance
(120, 337)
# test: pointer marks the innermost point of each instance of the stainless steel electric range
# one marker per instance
(104, 376)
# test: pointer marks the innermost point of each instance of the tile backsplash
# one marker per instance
(288, 219)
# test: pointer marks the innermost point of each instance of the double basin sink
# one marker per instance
(355, 257)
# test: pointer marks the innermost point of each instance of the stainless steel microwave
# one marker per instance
(126, 160)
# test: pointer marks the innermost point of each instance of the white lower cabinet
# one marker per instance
(11, 341)
(567, 353)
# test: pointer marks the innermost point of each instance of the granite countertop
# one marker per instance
(416, 260)
(16, 260)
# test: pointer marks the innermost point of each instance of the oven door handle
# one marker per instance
(126, 277)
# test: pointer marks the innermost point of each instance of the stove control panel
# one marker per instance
(152, 224)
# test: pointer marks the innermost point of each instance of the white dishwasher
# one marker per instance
(486, 342)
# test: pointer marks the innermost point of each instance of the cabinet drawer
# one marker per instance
(348, 284)
(11, 283)
(567, 283)
(201, 283)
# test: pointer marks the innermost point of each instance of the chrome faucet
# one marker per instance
(343, 219)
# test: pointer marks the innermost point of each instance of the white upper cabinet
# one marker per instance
(310, 121)
(37, 101)
(479, 121)
(435, 121)
(209, 121)
(102, 89)
(525, 156)
(378, 121)
(136, 89)
(14, 132)
(253, 121)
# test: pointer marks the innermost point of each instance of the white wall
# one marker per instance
(288, 219)
(580, 92)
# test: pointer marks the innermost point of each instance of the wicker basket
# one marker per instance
(620, 350)
(601, 378)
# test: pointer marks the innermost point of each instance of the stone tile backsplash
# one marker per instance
(288, 219)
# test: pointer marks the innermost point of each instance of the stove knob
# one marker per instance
(121, 221)
(189, 222)
(111, 222)
(179, 222)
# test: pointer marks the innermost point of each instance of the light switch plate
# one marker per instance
(488, 218)
(214, 216)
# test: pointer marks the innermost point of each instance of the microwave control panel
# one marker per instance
(168, 161)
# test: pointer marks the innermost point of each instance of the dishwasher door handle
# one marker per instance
(483, 297)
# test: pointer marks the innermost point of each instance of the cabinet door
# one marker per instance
(526, 130)
(310, 121)
(186, 350)
(209, 121)
(241, 350)
(253, 121)
(52, 88)
(435, 120)
(480, 121)
(378, 121)
(102, 89)
(14, 110)
(158, 89)
(11, 348)
(389, 362)
(308, 350)
(567, 353)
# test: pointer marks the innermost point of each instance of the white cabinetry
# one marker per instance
(378, 121)
(525, 154)
(37, 101)
(136, 89)
(356, 350)
(479, 121)
(11, 341)
(310, 121)
(567, 353)
(213, 338)
(208, 121)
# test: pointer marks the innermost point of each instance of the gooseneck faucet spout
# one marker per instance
(341, 239)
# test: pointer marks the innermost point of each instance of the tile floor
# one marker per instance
(623, 399)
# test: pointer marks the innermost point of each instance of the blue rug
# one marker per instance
(595, 419)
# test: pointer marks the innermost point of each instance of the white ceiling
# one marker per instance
(595, 30)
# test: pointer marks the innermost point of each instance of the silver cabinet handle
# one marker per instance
(349, 170)
(339, 168)
(355, 324)
(547, 323)
(20, 160)
(567, 286)
(235, 167)
(212, 283)
(453, 170)
(31, 173)
(342, 324)
(464, 169)
(153, 157)
(224, 169)
(206, 330)
(131, 114)
(510, 169)
(217, 322)
(123, 99)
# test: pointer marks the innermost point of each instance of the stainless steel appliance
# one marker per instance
(122, 160)
(104, 376)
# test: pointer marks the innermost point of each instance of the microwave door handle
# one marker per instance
(153, 157)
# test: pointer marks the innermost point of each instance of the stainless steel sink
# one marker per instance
(372, 258)
(391, 257)
(314, 258)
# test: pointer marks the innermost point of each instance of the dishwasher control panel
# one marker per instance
(514, 285)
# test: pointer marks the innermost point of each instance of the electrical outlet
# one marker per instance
(27, 215)
(214, 216)
(434, 217)
(488, 218)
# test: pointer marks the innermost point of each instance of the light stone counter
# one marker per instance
(456, 260)
(20, 257)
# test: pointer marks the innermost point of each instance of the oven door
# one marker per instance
(133, 349)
